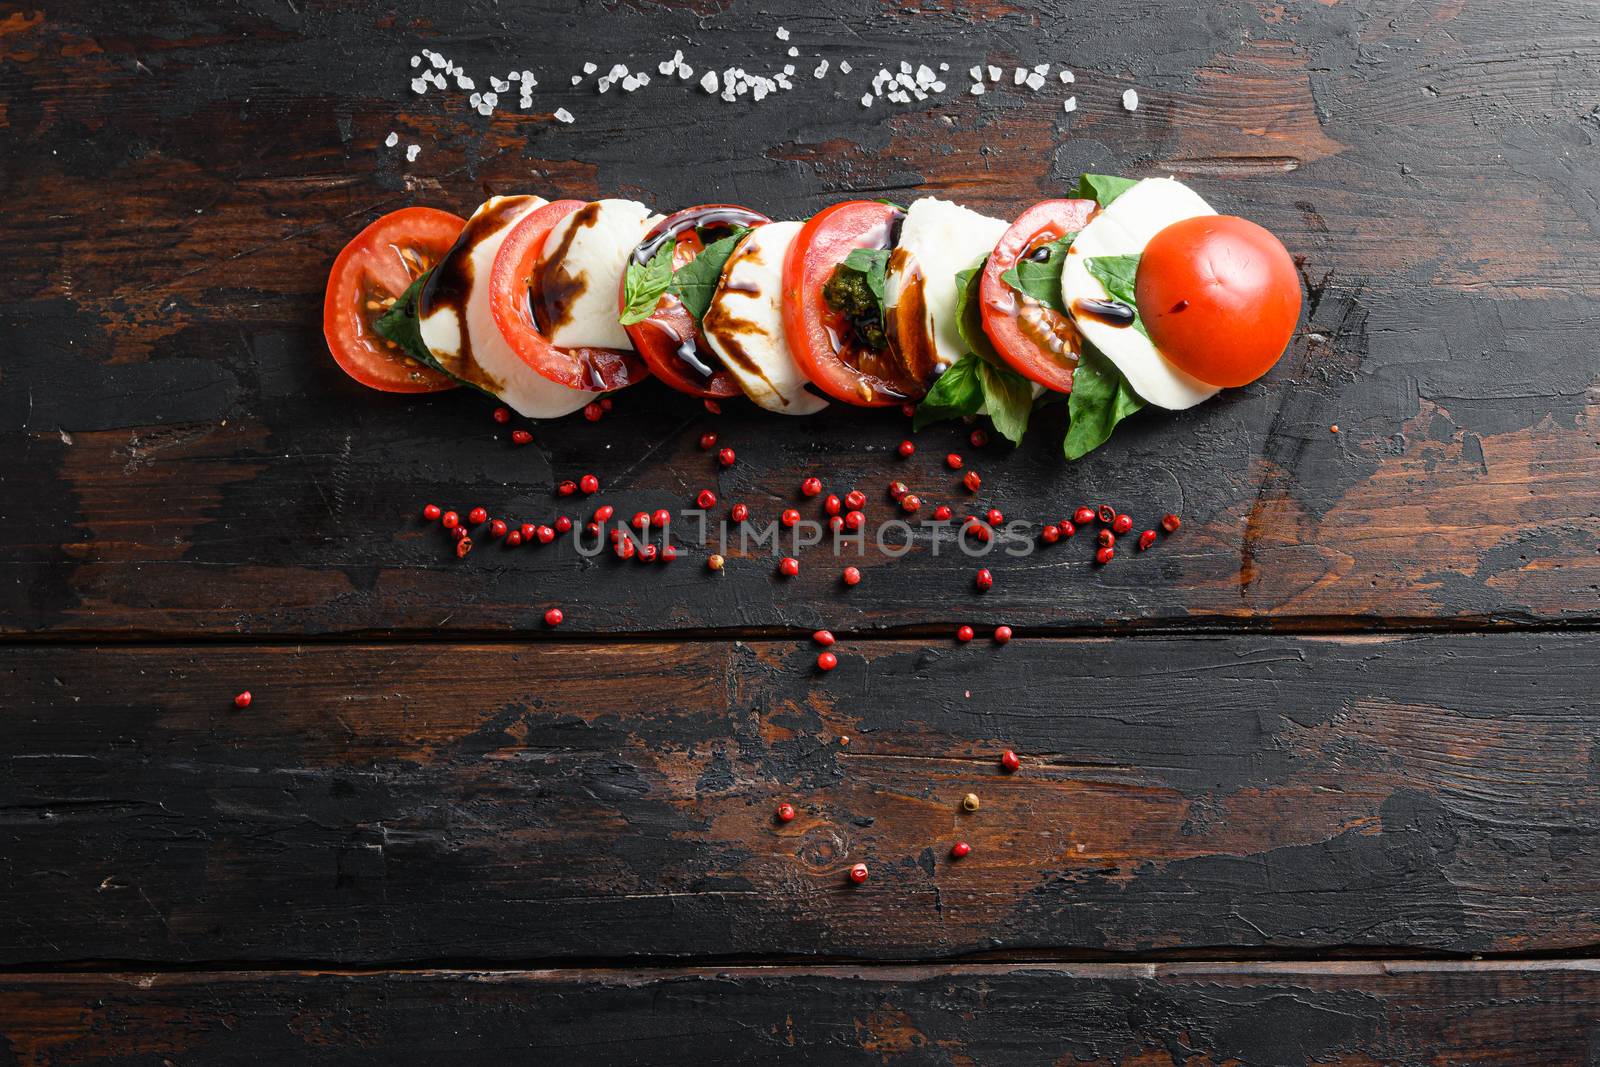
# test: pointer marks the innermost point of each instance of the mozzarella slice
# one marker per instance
(581, 268)
(1123, 229)
(462, 334)
(937, 240)
(744, 323)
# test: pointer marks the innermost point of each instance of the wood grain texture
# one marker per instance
(187, 461)
(1347, 1015)
(431, 803)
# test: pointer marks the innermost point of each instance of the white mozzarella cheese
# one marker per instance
(744, 324)
(487, 360)
(1124, 228)
(593, 246)
(939, 239)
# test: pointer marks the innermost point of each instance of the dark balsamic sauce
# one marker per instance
(1110, 312)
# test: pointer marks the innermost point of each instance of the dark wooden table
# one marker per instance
(1316, 780)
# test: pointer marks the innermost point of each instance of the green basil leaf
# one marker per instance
(645, 284)
(1118, 274)
(1103, 188)
(874, 263)
(402, 325)
(1042, 280)
(956, 393)
(1101, 397)
(1007, 400)
(696, 281)
(969, 313)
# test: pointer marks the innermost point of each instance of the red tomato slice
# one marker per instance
(670, 340)
(377, 266)
(594, 369)
(820, 337)
(1038, 342)
(1219, 296)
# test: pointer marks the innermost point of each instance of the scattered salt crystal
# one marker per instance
(944, 67)
(866, 99)
(685, 71)
(793, 51)
(822, 69)
(994, 73)
(844, 66)
(418, 86)
(1041, 69)
(412, 152)
(589, 68)
(925, 75)
(665, 66)
(938, 87)
(1130, 100)
(437, 60)
(491, 99)
(603, 84)
(788, 68)
(976, 89)
(641, 79)
(709, 82)
(1020, 75)
(464, 82)
(563, 115)
(529, 79)
(391, 140)
(782, 34)
(576, 78)
(475, 99)
(977, 73)
(905, 68)
(416, 61)
(1066, 76)
(1036, 81)
(1070, 104)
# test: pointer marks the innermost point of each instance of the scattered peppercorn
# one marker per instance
(898, 489)
(430, 511)
(1002, 634)
(960, 849)
(589, 484)
(1121, 524)
(789, 517)
(647, 554)
(706, 499)
(1147, 539)
(502, 415)
(995, 517)
(910, 503)
(788, 566)
(906, 448)
(852, 576)
(463, 546)
(668, 553)
(942, 512)
(546, 534)
(853, 520)
(566, 488)
(979, 438)
(521, 437)
(811, 486)
(713, 407)
(604, 512)
(953, 461)
(1104, 555)
(858, 873)
(660, 518)
(972, 481)
(593, 412)
(832, 505)
(553, 617)
(1170, 522)
(740, 513)
(708, 441)
(714, 562)
(1105, 539)
(1067, 528)
(726, 457)
(563, 524)
(855, 500)
(786, 813)
(970, 802)
(477, 516)
(827, 661)
(963, 634)
(605, 404)
(513, 538)
(1050, 534)
(1009, 761)
(243, 700)
(1106, 514)
(497, 528)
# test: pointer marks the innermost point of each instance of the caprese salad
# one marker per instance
(1130, 293)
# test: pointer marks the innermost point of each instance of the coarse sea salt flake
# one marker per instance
(866, 99)
(994, 73)
(1130, 99)
(418, 86)
(1041, 68)
(782, 34)
(1020, 76)
(822, 69)
(412, 152)
(793, 51)
(576, 78)
(709, 82)
(590, 68)
(925, 75)
(976, 89)
(391, 140)
(1066, 76)
(937, 87)
(977, 73)
(1070, 104)
(844, 66)
(563, 115)
(416, 61)
(1036, 82)
(788, 68)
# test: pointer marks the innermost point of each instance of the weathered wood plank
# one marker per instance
(1348, 1014)
(577, 802)
(186, 459)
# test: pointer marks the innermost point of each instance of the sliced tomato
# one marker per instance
(1039, 342)
(373, 270)
(594, 369)
(670, 339)
(823, 342)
